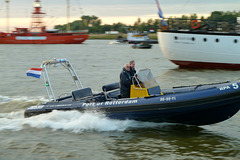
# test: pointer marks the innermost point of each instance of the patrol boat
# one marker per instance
(194, 105)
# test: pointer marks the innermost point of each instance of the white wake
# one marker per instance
(72, 121)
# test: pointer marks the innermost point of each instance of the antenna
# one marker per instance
(7, 16)
(68, 15)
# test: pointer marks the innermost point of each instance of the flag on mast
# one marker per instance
(34, 72)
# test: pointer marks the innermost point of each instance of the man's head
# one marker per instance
(127, 67)
(132, 63)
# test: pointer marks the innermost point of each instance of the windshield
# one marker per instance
(145, 76)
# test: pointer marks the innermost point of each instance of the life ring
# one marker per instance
(195, 24)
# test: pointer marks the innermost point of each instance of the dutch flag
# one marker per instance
(34, 72)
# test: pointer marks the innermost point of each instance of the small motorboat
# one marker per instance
(195, 105)
(142, 46)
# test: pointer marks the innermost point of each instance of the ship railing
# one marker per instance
(199, 25)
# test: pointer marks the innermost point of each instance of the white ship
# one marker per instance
(200, 44)
(137, 37)
(134, 37)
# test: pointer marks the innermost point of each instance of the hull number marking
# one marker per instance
(234, 86)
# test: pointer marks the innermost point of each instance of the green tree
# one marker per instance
(193, 16)
(216, 16)
(105, 28)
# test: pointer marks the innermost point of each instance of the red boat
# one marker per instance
(38, 34)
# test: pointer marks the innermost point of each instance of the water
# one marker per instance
(75, 135)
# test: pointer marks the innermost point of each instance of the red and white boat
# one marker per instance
(200, 44)
(38, 34)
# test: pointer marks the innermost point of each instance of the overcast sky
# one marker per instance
(110, 11)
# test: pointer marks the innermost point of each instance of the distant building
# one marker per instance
(111, 32)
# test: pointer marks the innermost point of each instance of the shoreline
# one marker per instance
(115, 36)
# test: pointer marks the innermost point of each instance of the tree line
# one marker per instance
(94, 24)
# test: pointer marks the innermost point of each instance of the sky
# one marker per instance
(109, 11)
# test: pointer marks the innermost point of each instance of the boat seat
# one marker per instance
(82, 94)
(154, 90)
(114, 88)
(110, 87)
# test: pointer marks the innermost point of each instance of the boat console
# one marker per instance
(144, 85)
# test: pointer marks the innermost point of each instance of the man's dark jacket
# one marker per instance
(125, 83)
(132, 71)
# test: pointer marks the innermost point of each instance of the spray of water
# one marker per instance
(12, 118)
(72, 121)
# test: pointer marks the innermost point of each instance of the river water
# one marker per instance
(75, 135)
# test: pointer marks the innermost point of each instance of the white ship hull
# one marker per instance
(209, 50)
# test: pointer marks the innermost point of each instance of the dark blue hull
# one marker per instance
(208, 114)
(194, 105)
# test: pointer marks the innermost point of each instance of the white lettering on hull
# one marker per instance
(109, 103)
(234, 86)
(167, 99)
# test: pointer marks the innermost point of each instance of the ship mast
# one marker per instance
(68, 16)
(7, 16)
(37, 24)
